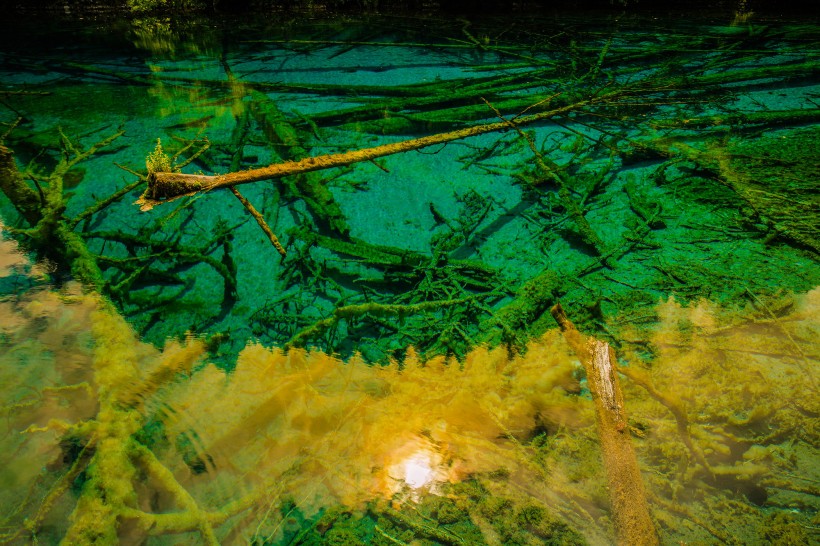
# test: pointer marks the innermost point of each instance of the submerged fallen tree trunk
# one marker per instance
(165, 186)
(630, 511)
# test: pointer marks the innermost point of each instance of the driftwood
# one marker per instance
(630, 511)
(165, 186)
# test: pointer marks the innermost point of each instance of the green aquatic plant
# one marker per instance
(158, 160)
(782, 530)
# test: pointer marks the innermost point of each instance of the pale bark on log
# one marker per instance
(166, 186)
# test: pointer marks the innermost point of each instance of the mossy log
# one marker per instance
(50, 231)
(25, 200)
(522, 319)
(372, 309)
(808, 70)
(443, 118)
(448, 96)
(770, 118)
(165, 186)
(384, 256)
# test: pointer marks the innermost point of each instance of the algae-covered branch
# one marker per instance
(170, 185)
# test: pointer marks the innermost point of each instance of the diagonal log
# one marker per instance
(165, 186)
(630, 510)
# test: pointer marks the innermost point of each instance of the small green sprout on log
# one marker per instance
(158, 161)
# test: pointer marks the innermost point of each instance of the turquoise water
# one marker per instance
(657, 176)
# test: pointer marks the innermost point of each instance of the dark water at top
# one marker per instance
(657, 176)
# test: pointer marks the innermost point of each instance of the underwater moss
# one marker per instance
(780, 529)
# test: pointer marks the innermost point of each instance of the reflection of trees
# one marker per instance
(106, 439)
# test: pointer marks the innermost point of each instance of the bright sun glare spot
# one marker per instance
(417, 471)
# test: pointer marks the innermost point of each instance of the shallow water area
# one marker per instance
(391, 372)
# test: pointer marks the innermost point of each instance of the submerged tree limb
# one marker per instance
(371, 308)
(261, 221)
(113, 461)
(43, 209)
(25, 199)
(165, 186)
(737, 119)
(240, 134)
(553, 171)
(307, 186)
(675, 406)
(630, 510)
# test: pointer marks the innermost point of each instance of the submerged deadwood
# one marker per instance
(630, 511)
(165, 186)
